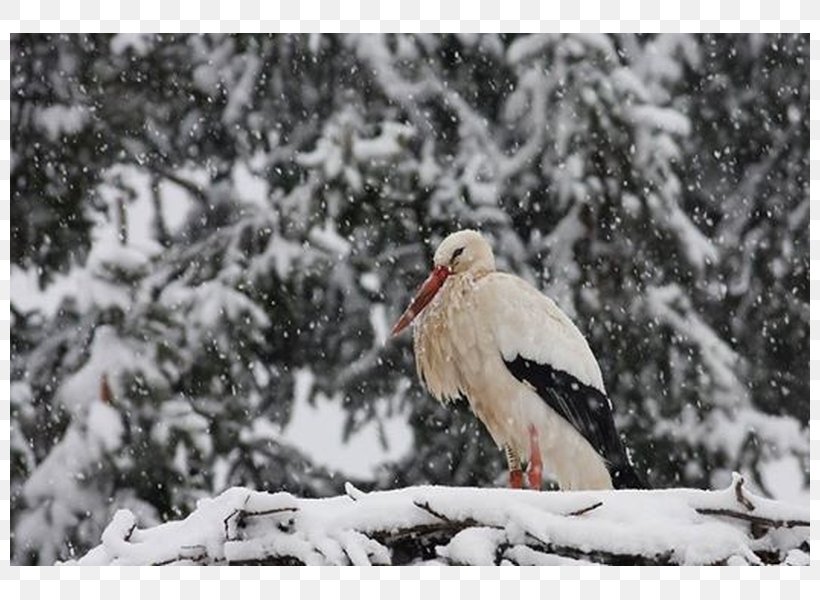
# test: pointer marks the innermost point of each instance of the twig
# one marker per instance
(272, 511)
(599, 556)
(344, 551)
(754, 519)
(240, 514)
(271, 560)
(500, 551)
(131, 530)
(225, 523)
(741, 498)
(508, 558)
(425, 506)
(197, 558)
(194, 189)
(578, 513)
(538, 539)
(234, 513)
(189, 550)
(353, 492)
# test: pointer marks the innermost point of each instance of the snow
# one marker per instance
(346, 145)
(585, 167)
(240, 94)
(785, 478)
(138, 42)
(90, 285)
(105, 424)
(281, 254)
(317, 429)
(473, 546)
(59, 120)
(379, 323)
(58, 490)
(28, 296)
(627, 81)
(251, 188)
(177, 415)
(527, 46)
(536, 527)
(206, 78)
(66, 464)
(328, 239)
(600, 42)
(370, 282)
(669, 306)
(699, 249)
(665, 119)
(781, 439)
(82, 282)
(207, 304)
(109, 356)
(389, 143)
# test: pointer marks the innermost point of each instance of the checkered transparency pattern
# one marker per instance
(406, 16)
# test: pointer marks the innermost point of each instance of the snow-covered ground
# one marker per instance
(469, 526)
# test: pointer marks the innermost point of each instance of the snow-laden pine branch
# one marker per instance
(447, 525)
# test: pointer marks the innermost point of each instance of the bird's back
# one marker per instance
(543, 348)
(526, 322)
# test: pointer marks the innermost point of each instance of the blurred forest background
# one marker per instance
(212, 234)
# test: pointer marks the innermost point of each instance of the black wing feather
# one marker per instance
(584, 407)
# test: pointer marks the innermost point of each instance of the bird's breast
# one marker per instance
(451, 342)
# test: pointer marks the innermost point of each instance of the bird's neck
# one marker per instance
(474, 274)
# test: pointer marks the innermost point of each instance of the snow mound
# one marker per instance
(445, 525)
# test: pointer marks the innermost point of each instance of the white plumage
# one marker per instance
(526, 370)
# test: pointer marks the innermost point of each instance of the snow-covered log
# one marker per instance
(446, 525)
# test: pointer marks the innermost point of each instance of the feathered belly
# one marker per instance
(447, 346)
(436, 360)
(456, 356)
(505, 407)
(508, 411)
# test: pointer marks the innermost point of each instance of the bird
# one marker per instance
(526, 370)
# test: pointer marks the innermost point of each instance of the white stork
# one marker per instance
(526, 370)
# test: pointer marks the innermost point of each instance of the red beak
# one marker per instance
(423, 296)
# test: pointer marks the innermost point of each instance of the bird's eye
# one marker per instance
(457, 253)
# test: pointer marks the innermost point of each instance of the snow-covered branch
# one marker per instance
(446, 525)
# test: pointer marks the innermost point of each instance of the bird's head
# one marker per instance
(462, 252)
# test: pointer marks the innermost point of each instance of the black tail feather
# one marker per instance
(584, 407)
(625, 477)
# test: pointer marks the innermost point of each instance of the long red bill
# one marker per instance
(423, 297)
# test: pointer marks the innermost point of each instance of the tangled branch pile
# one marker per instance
(444, 525)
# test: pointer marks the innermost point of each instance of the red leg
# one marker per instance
(516, 478)
(514, 465)
(536, 466)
